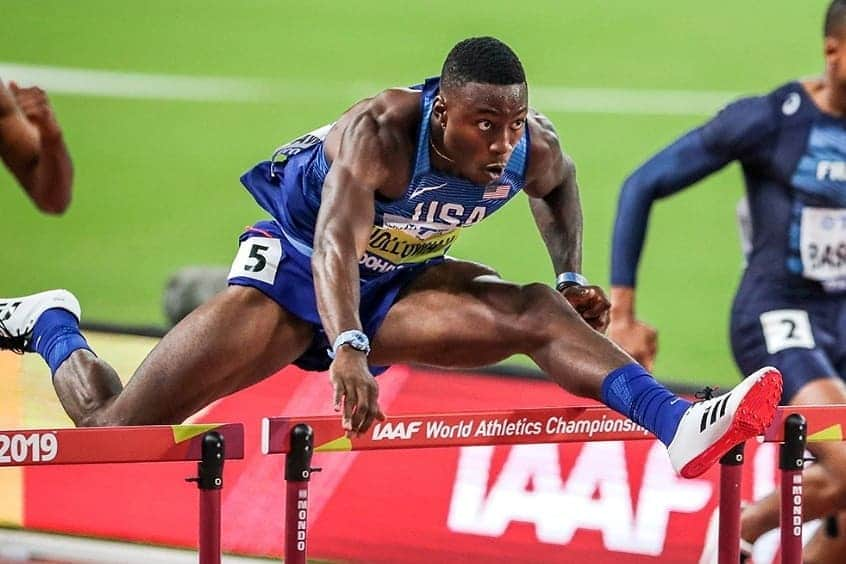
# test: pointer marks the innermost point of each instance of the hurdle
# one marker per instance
(299, 437)
(203, 443)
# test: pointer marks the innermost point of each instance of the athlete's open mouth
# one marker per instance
(495, 170)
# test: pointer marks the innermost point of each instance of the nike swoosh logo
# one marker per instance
(425, 189)
(673, 402)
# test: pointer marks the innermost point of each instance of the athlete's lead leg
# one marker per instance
(458, 315)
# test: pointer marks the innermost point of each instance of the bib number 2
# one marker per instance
(786, 329)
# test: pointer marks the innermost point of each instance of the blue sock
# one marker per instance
(55, 336)
(632, 391)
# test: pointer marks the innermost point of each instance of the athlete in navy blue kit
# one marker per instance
(789, 310)
(350, 275)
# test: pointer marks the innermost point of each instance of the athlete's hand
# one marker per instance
(7, 101)
(35, 106)
(356, 391)
(636, 338)
(591, 303)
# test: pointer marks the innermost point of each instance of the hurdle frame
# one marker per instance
(792, 463)
(297, 474)
(208, 444)
(286, 435)
(790, 427)
(731, 477)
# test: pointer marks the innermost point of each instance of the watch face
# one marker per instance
(354, 339)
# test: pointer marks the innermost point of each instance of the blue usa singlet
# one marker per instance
(409, 233)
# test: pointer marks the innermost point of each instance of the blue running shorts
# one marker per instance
(804, 337)
(269, 262)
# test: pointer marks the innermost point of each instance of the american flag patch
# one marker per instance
(496, 192)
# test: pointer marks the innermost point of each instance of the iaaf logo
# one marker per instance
(596, 487)
(596, 495)
(392, 431)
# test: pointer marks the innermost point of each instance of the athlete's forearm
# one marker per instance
(40, 163)
(558, 216)
(676, 167)
(19, 142)
(336, 282)
(49, 180)
(342, 231)
(622, 303)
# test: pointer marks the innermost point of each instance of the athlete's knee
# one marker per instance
(832, 485)
(833, 492)
(837, 487)
(101, 418)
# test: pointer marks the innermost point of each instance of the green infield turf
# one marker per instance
(157, 179)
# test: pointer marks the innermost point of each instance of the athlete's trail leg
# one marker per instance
(233, 341)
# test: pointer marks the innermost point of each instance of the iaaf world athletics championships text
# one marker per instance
(503, 427)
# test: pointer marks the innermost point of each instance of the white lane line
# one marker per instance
(626, 101)
(114, 84)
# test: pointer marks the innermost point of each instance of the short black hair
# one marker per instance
(835, 18)
(481, 59)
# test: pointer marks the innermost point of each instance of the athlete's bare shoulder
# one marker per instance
(387, 123)
(548, 165)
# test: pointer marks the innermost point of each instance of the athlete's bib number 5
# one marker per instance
(823, 243)
(257, 258)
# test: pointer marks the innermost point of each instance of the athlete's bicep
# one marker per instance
(677, 166)
(682, 163)
(739, 128)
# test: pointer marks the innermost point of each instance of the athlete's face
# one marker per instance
(835, 59)
(482, 123)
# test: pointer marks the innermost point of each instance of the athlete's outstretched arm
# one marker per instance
(343, 228)
(732, 134)
(674, 168)
(32, 146)
(557, 210)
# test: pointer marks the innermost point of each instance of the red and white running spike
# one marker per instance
(710, 428)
